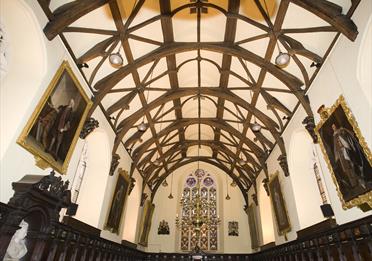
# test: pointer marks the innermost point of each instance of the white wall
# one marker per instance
(232, 210)
(33, 61)
(337, 76)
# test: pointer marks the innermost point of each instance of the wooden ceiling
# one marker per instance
(199, 73)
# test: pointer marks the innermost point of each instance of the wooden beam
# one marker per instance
(332, 14)
(68, 13)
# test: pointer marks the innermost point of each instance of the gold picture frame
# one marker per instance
(53, 129)
(353, 176)
(279, 206)
(119, 196)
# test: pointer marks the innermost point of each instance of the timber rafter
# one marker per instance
(171, 143)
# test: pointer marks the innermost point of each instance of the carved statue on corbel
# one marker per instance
(284, 164)
(132, 184)
(143, 198)
(265, 183)
(246, 208)
(114, 163)
(254, 195)
(255, 200)
(310, 127)
(89, 126)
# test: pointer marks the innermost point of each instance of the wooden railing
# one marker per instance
(38, 201)
(350, 241)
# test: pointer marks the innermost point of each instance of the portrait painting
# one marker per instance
(346, 153)
(233, 228)
(252, 218)
(54, 127)
(145, 223)
(118, 202)
(278, 203)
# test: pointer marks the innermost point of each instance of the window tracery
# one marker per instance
(199, 182)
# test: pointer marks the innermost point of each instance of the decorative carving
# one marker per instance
(255, 200)
(17, 247)
(114, 163)
(143, 198)
(265, 183)
(310, 127)
(88, 127)
(284, 164)
(53, 185)
(132, 184)
(163, 228)
(3, 53)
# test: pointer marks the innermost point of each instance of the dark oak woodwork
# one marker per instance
(167, 50)
(68, 13)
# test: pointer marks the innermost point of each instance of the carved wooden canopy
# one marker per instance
(199, 73)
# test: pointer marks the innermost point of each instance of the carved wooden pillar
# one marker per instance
(37, 200)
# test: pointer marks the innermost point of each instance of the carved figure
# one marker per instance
(61, 125)
(17, 246)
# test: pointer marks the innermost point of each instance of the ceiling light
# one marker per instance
(282, 60)
(116, 59)
(256, 127)
(165, 183)
(227, 197)
(142, 127)
(170, 195)
(156, 162)
(242, 162)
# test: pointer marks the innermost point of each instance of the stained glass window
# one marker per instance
(208, 194)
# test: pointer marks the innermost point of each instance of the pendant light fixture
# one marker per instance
(171, 188)
(282, 59)
(143, 126)
(241, 161)
(164, 183)
(115, 59)
(157, 162)
(227, 190)
(256, 127)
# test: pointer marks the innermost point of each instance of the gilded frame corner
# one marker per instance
(44, 159)
(325, 115)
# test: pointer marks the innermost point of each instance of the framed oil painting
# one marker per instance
(253, 227)
(278, 203)
(118, 202)
(54, 127)
(145, 224)
(347, 155)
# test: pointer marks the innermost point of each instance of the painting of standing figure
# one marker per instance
(54, 127)
(280, 209)
(118, 202)
(346, 153)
